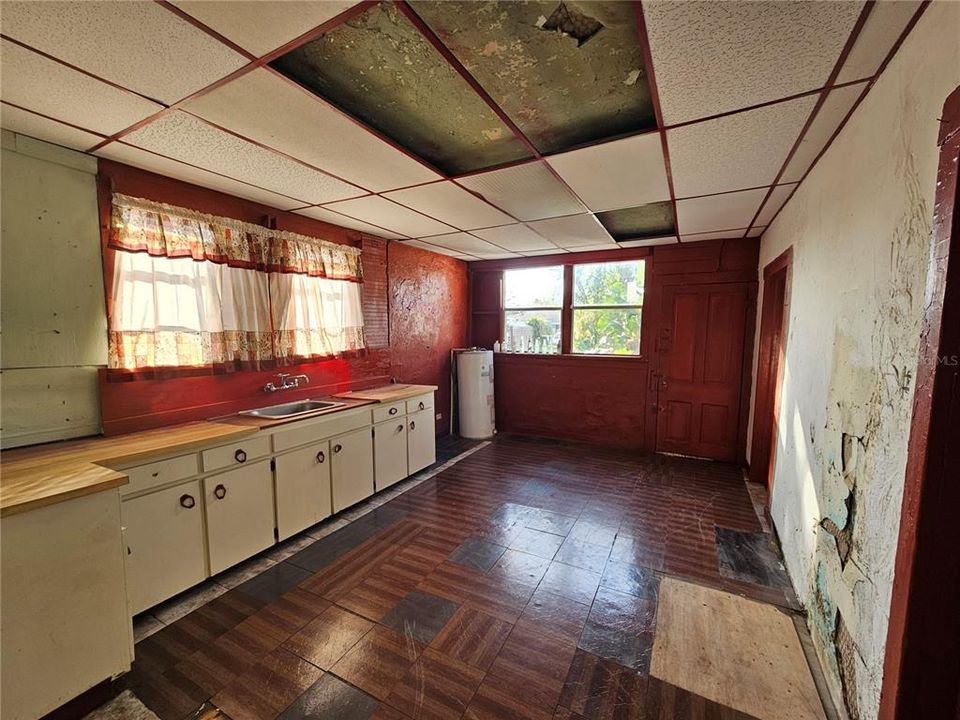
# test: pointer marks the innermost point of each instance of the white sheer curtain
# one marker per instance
(315, 316)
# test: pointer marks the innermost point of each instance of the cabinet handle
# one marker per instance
(240, 456)
(220, 491)
(393, 411)
(399, 428)
(413, 425)
(421, 405)
(337, 448)
(321, 456)
(187, 501)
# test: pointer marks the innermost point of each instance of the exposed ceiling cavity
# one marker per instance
(638, 223)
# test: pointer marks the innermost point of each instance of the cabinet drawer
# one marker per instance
(421, 402)
(310, 431)
(388, 412)
(162, 472)
(236, 454)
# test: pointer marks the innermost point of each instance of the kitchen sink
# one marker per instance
(292, 409)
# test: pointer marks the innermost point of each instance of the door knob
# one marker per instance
(413, 425)
(187, 501)
(337, 448)
(321, 456)
(240, 456)
(399, 428)
(393, 411)
(421, 405)
(220, 491)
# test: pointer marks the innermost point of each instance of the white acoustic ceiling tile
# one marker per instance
(717, 235)
(718, 212)
(386, 214)
(185, 138)
(591, 248)
(518, 238)
(437, 249)
(552, 251)
(501, 255)
(45, 86)
(828, 119)
(26, 123)
(737, 151)
(574, 231)
(334, 218)
(884, 25)
(141, 46)
(265, 25)
(269, 110)
(451, 204)
(712, 57)
(528, 192)
(619, 174)
(648, 242)
(171, 168)
(756, 231)
(773, 204)
(464, 243)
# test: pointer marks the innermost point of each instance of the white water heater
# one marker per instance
(475, 391)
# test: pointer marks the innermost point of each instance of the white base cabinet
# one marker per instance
(390, 452)
(302, 479)
(239, 509)
(421, 441)
(352, 468)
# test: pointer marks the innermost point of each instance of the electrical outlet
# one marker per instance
(439, 416)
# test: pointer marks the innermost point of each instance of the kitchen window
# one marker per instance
(533, 307)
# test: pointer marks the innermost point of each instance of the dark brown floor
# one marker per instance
(521, 582)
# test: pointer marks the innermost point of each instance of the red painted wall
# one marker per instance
(415, 307)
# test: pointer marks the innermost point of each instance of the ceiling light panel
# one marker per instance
(714, 57)
(265, 25)
(773, 204)
(618, 174)
(270, 110)
(718, 212)
(518, 238)
(737, 151)
(334, 218)
(884, 25)
(379, 68)
(45, 86)
(528, 192)
(181, 171)
(562, 89)
(141, 46)
(463, 243)
(26, 123)
(438, 250)
(387, 214)
(833, 111)
(190, 140)
(644, 221)
(573, 232)
(451, 204)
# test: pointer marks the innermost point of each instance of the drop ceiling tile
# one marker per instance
(269, 110)
(737, 151)
(451, 204)
(617, 174)
(26, 123)
(138, 45)
(463, 243)
(718, 212)
(713, 57)
(45, 86)
(574, 231)
(716, 235)
(756, 231)
(552, 251)
(190, 140)
(502, 255)
(884, 25)
(172, 168)
(773, 204)
(386, 214)
(334, 218)
(265, 25)
(649, 242)
(518, 238)
(528, 192)
(828, 119)
(437, 249)
(643, 221)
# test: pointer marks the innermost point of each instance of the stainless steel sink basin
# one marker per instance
(292, 409)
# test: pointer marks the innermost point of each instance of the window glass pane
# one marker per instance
(533, 287)
(607, 332)
(613, 283)
(532, 331)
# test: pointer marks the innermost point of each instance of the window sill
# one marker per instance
(573, 356)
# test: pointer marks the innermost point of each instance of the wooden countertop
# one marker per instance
(389, 393)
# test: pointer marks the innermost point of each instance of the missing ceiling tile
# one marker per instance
(652, 220)
(573, 23)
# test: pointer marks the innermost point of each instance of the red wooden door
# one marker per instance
(700, 346)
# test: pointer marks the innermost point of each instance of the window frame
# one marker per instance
(549, 308)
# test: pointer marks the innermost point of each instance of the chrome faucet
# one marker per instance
(286, 382)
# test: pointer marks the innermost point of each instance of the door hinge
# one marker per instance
(273, 465)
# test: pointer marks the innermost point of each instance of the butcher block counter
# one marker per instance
(389, 393)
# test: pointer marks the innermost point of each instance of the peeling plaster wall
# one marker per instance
(859, 226)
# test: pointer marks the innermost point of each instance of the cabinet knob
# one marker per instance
(321, 456)
(220, 491)
(240, 456)
(413, 425)
(399, 428)
(393, 411)
(337, 448)
(421, 405)
(187, 501)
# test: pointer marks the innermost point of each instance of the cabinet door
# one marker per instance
(352, 468)
(390, 452)
(303, 488)
(239, 506)
(421, 440)
(164, 554)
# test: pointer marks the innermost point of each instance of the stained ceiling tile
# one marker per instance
(318, 213)
(437, 249)
(884, 25)
(573, 231)
(26, 123)
(716, 235)
(265, 25)
(379, 68)
(45, 86)
(560, 89)
(518, 238)
(636, 223)
(834, 109)
(649, 242)
(737, 151)
(617, 174)
(171, 168)
(718, 212)
(451, 204)
(387, 214)
(271, 111)
(141, 46)
(773, 204)
(188, 139)
(528, 192)
(463, 243)
(712, 57)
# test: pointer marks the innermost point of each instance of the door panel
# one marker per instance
(239, 506)
(421, 440)
(352, 468)
(390, 452)
(303, 488)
